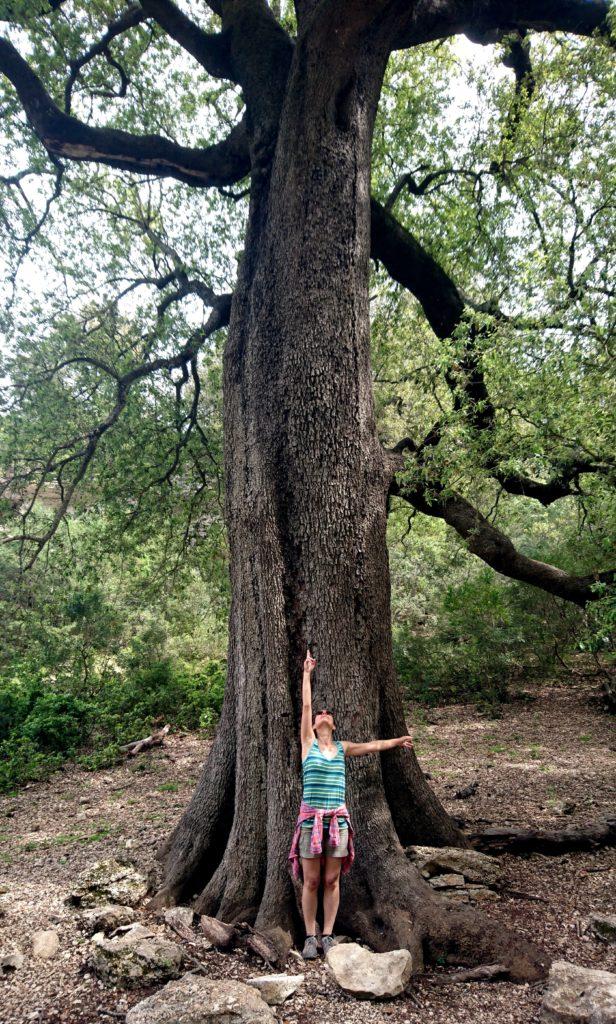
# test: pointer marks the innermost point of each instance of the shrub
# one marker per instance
(483, 635)
(58, 722)
(22, 761)
(43, 724)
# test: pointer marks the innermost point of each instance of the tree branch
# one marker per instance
(223, 163)
(7, 13)
(133, 15)
(210, 49)
(218, 318)
(486, 21)
(495, 548)
(412, 266)
(444, 305)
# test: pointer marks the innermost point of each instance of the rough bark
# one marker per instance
(306, 488)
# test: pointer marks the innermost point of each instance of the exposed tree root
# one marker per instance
(387, 903)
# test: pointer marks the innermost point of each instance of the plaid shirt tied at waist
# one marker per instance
(316, 835)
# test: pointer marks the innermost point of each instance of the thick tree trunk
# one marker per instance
(306, 486)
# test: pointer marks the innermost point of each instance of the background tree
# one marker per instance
(307, 477)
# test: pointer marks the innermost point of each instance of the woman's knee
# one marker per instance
(311, 883)
(331, 881)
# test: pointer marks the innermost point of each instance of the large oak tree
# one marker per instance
(307, 479)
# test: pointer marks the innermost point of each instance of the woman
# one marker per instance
(323, 833)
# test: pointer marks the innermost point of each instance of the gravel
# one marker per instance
(542, 752)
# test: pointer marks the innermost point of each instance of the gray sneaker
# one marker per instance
(310, 950)
(327, 942)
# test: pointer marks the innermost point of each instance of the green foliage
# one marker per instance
(160, 693)
(58, 722)
(599, 637)
(121, 625)
(43, 726)
(482, 639)
(461, 632)
(22, 761)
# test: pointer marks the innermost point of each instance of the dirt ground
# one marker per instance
(557, 745)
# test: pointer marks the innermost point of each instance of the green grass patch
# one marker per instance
(68, 839)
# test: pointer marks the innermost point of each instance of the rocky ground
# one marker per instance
(550, 753)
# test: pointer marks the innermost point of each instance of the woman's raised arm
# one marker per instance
(307, 732)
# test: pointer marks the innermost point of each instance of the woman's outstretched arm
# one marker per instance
(375, 746)
(307, 732)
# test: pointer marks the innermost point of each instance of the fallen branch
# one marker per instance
(183, 932)
(486, 972)
(521, 895)
(466, 792)
(138, 746)
(271, 945)
(546, 841)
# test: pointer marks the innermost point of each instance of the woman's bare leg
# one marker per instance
(331, 893)
(311, 868)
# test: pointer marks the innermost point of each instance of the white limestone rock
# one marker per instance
(194, 999)
(137, 956)
(109, 881)
(369, 975)
(578, 995)
(45, 944)
(275, 988)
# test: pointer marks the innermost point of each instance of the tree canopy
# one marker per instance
(492, 238)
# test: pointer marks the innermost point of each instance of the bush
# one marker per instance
(43, 724)
(138, 701)
(17, 699)
(58, 722)
(483, 635)
(22, 761)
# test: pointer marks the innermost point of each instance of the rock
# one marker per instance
(45, 944)
(108, 881)
(481, 894)
(447, 881)
(272, 945)
(106, 919)
(563, 807)
(198, 1000)
(369, 975)
(466, 791)
(181, 919)
(138, 956)
(275, 988)
(11, 962)
(455, 895)
(604, 926)
(579, 995)
(437, 860)
(219, 933)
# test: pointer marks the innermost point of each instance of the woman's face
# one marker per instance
(324, 718)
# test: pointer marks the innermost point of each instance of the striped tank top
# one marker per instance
(324, 781)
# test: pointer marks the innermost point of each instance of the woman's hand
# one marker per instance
(405, 741)
(309, 663)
